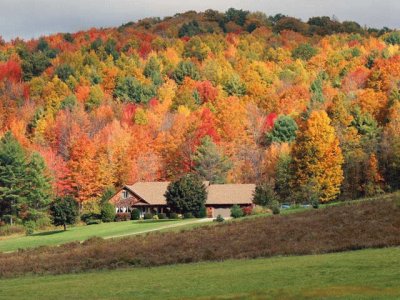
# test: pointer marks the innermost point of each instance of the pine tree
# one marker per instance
(187, 195)
(317, 157)
(12, 181)
(39, 189)
(210, 164)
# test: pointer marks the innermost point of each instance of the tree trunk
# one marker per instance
(65, 227)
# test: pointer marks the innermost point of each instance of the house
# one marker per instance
(221, 197)
(149, 197)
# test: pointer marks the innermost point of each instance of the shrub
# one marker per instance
(188, 215)
(275, 208)
(122, 217)
(90, 216)
(236, 211)
(135, 214)
(315, 204)
(108, 212)
(148, 216)
(93, 221)
(162, 216)
(220, 219)
(247, 210)
(29, 227)
(173, 216)
(203, 212)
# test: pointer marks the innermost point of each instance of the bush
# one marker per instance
(162, 216)
(203, 212)
(247, 210)
(122, 217)
(236, 211)
(315, 204)
(135, 214)
(90, 216)
(29, 227)
(220, 219)
(93, 221)
(148, 216)
(108, 213)
(188, 215)
(173, 216)
(275, 208)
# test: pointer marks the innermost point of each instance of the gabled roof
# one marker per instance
(153, 193)
(229, 194)
(150, 192)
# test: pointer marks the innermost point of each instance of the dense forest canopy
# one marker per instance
(309, 108)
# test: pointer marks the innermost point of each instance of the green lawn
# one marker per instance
(365, 274)
(81, 233)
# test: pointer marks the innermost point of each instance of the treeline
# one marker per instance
(238, 20)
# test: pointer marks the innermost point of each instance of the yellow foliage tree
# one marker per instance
(317, 157)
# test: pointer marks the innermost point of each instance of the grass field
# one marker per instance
(364, 274)
(81, 233)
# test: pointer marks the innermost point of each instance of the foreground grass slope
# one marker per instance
(81, 233)
(364, 274)
(339, 228)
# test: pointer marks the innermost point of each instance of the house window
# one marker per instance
(124, 194)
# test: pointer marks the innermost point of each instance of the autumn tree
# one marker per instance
(317, 157)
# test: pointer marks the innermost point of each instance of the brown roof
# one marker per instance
(150, 192)
(220, 194)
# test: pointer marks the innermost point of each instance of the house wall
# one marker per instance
(224, 210)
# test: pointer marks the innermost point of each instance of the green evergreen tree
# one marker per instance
(185, 69)
(38, 183)
(264, 195)
(12, 177)
(235, 87)
(284, 130)
(210, 164)
(187, 195)
(64, 211)
(283, 177)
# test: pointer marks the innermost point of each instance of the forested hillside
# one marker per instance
(303, 107)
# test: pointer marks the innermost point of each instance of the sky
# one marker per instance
(33, 18)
